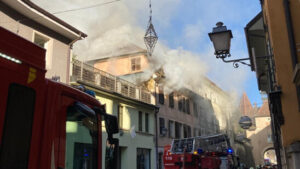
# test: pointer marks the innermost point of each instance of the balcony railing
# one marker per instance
(89, 74)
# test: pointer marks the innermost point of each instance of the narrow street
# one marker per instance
(173, 84)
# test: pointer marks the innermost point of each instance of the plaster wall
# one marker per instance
(204, 122)
(121, 65)
(127, 142)
(57, 52)
(259, 139)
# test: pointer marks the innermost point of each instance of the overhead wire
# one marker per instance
(86, 7)
(65, 11)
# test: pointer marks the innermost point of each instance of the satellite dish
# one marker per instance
(245, 122)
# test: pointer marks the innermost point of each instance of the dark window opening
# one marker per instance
(187, 103)
(161, 97)
(183, 105)
(177, 130)
(171, 100)
(147, 122)
(143, 159)
(179, 103)
(185, 132)
(17, 129)
(195, 107)
(140, 121)
(171, 129)
(161, 126)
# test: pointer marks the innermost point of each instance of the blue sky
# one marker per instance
(182, 25)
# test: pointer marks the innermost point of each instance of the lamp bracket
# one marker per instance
(237, 61)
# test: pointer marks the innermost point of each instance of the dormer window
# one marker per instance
(136, 64)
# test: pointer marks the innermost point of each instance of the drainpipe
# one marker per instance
(293, 49)
(156, 137)
(69, 54)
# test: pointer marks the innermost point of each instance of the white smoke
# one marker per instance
(115, 26)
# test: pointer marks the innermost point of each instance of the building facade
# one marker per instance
(260, 133)
(273, 38)
(136, 117)
(44, 29)
(186, 112)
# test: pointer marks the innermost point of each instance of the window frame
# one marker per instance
(135, 64)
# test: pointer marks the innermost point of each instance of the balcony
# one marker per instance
(89, 74)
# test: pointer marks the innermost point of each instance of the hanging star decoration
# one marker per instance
(150, 37)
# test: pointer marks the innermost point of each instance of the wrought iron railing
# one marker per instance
(87, 73)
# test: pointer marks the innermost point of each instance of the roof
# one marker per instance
(41, 16)
(117, 52)
(263, 111)
(246, 106)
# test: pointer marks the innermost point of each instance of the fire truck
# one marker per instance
(45, 124)
(203, 152)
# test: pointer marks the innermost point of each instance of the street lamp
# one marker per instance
(221, 38)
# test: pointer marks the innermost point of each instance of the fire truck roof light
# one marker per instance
(10, 58)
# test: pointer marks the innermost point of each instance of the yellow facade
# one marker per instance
(275, 19)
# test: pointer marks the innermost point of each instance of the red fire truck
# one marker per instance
(203, 152)
(46, 124)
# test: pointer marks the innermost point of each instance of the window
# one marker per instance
(171, 129)
(179, 103)
(45, 43)
(120, 116)
(81, 140)
(195, 132)
(199, 132)
(136, 64)
(171, 100)
(140, 121)
(143, 158)
(41, 40)
(161, 97)
(185, 131)
(195, 107)
(187, 104)
(189, 131)
(147, 122)
(183, 105)
(161, 126)
(177, 130)
(16, 138)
